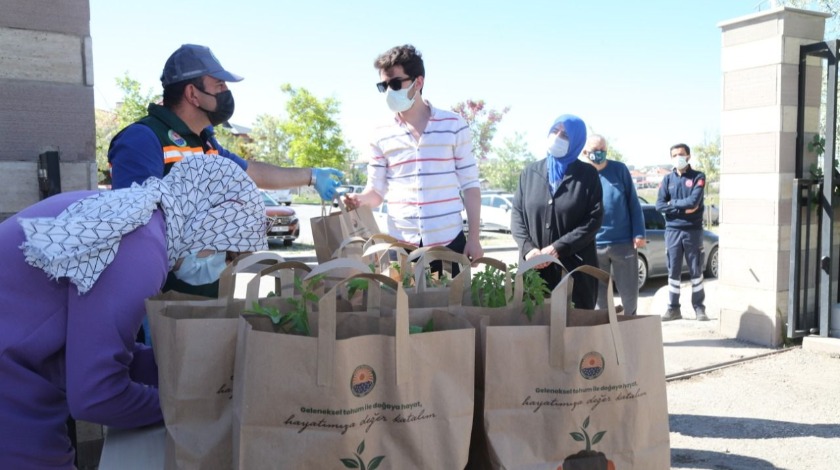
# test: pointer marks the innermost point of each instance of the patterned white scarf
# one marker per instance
(208, 203)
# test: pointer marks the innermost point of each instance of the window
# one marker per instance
(653, 220)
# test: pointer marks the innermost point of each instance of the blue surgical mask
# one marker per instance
(557, 146)
(398, 100)
(680, 162)
(199, 271)
(598, 156)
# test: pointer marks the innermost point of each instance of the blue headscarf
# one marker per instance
(576, 132)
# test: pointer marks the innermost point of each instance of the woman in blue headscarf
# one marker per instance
(557, 209)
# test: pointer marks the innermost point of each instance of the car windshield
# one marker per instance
(268, 200)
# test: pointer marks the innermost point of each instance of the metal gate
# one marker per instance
(813, 288)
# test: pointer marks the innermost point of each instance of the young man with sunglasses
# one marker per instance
(422, 163)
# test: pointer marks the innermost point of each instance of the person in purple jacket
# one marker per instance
(77, 268)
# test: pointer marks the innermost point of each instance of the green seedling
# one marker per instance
(428, 327)
(296, 321)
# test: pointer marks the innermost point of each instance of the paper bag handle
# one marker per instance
(561, 302)
(339, 252)
(501, 266)
(381, 249)
(525, 266)
(327, 329)
(252, 292)
(227, 280)
(423, 256)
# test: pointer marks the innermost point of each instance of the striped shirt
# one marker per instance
(422, 180)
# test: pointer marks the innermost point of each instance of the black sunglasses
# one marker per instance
(394, 84)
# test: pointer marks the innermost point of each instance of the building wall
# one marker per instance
(759, 62)
(46, 97)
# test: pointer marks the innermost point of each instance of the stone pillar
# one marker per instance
(46, 97)
(759, 61)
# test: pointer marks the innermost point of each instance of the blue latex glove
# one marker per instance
(326, 182)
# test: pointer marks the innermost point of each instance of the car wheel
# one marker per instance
(643, 271)
(287, 242)
(288, 203)
(712, 264)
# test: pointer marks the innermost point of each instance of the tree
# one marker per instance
(314, 136)
(482, 121)
(132, 107)
(235, 143)
(269, 143)
(134, 104)
(503, 169)
(706, 158)
(106, 129)
(614, 154)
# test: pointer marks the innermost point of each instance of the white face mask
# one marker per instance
(199, 271)
(557, 146)
(680, 162)
(398, 100)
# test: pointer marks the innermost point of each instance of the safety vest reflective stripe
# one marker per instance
(172, 154)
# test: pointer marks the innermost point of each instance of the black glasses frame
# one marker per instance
(394, 84)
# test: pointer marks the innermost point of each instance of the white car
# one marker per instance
(495, 211)
(282, 196)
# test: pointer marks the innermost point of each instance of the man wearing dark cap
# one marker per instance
(196, 98)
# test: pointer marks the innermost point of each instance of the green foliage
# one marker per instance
(488, 289)
(705, 157)
(133, 106)
(135, 103)
(234, 143)
(482, 121)
(535, 292)
(106, 129)
(615, 155)
(357, 462)
(297, 320)
(428, 327)
(503, 169)
(314, 136)
(269, 143)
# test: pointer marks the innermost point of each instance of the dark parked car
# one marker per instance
(281, 222)
(652, 258)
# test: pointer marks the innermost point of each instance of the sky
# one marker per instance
(645, 74)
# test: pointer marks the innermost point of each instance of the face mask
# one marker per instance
(199, 271)
(224, 107)
(557, 146)
(598, 156)
(398, 100)
(680, 162)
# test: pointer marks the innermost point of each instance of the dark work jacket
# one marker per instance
(678, 193)
(568, 220)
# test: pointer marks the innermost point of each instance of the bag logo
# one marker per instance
(176, 138)
(592, 365)
(363, 380)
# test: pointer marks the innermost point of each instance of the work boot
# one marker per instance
(672, 314)
(700, 315)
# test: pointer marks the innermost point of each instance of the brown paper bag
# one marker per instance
(329, 230)
(194, 343)
(360, 395)
(586, 387)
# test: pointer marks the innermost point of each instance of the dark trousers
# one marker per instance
(688, 244)
(457, 245)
